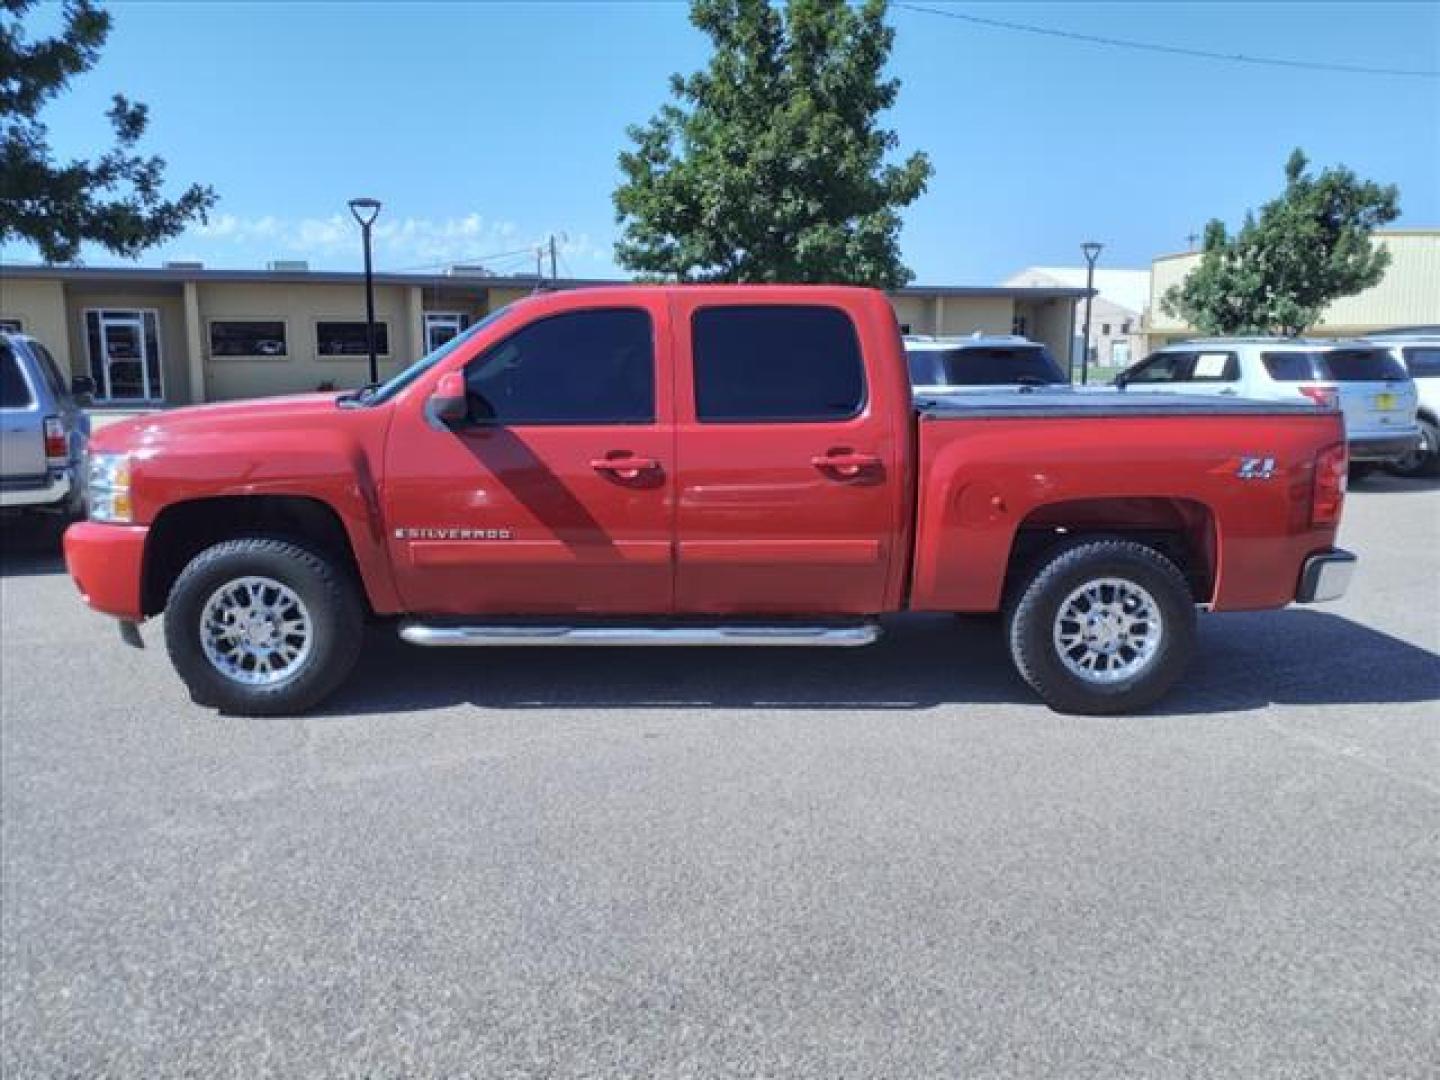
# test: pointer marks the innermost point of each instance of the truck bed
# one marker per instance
(1001, 471)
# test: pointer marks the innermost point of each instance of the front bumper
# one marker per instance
(1385, 447)
(106, 563)
(49, 491)
(1325, 576)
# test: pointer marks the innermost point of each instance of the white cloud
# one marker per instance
(400, 243)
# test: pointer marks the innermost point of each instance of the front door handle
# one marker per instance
(625, 468)
(845, 464)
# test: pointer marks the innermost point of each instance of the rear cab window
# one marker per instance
(14, 388)
(776, 364)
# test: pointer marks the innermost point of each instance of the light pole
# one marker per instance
(1092, 252)
(365, 211)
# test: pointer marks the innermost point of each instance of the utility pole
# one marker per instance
(539, 264)
(1091, 251)
(554, 277)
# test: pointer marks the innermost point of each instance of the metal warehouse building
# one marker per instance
(182, 334)
(1409, 295)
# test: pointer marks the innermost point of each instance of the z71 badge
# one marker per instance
(1256, 468)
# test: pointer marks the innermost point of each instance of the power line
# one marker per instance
(462, 259)
(1173, 50)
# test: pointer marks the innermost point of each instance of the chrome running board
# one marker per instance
(839, 636)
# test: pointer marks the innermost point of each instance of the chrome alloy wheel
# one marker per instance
(256, 631)
(1107, 630)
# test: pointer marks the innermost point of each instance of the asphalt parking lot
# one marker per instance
(890, 862)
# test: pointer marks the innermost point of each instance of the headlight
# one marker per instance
(107, 487)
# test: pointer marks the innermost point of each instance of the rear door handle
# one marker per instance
(625, 468)
(847, 464)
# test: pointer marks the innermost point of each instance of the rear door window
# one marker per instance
(14, 390)
(777, 364)
(1215, 367)
(50, 370)
(1292, 366)
(1424, 362)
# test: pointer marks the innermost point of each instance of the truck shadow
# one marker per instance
(30, 544)
(1244, 662)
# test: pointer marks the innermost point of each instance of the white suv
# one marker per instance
(1368, 384)
(1420, 353)
(979, 362)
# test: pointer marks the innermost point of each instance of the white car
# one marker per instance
(993, 361)
(1364, 380)
(1420, 353)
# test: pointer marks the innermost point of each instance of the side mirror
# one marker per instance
(82, 388)
(448, 404)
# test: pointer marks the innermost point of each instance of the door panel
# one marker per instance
(777, 515)
(536, 518)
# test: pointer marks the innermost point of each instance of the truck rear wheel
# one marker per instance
(1103, 626)
(263, 627)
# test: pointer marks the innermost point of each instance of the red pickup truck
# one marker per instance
(701, 465)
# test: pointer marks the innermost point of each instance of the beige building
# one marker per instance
(181, 333)
(1116, 313)
(1409, 295)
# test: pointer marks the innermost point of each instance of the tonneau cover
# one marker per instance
(1065, 401)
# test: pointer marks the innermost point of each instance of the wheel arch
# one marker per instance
(1183, 530)
(183, 529)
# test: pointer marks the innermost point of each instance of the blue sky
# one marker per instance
(486, 126)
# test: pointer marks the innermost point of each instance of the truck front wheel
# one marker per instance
(263, 627)
(1103, 626)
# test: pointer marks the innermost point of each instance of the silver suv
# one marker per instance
(1419, 351)
(1362, 379)
(43, 429)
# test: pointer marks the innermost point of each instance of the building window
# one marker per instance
(1105, 329)
(343, 338)
(1020, 326)
(443, 326)
(248, 337)
(1120, 353)
(11, 326)
(781, 364)
(1125, 327)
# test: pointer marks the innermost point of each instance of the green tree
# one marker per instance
(1308, 247)
(769, 165)
(114, 201)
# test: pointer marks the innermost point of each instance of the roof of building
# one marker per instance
(181, 274)
(1129, 289)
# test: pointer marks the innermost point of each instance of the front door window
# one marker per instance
(125, 355)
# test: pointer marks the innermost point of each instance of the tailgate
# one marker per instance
(22, 440)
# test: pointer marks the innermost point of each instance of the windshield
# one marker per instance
(985, 365)
(388, 389)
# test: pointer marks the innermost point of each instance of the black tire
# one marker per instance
(1425, 462)
(331, 599)
(1031, 621)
